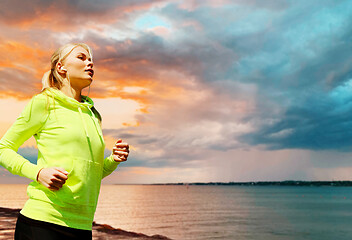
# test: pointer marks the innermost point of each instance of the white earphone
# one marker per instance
(62, 68)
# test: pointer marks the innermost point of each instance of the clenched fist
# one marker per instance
(52, 178)
(120, 151)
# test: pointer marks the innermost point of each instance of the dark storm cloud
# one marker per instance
(299, 61)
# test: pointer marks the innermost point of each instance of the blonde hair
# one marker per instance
(52, 78)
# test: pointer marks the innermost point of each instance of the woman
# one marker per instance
(67, 128)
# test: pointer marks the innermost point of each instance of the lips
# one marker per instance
(90, 71)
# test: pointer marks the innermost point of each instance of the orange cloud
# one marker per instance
(25, 64)
(20, 55)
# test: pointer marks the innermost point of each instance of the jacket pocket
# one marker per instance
(83, 183)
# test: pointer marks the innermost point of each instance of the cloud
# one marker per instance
(67, 15)
(318, 121)
(179, 130)
(296, 78)
(10, 76)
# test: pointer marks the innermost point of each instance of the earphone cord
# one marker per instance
(69, 82)
(88, 90)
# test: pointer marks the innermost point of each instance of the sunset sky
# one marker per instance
(242, 90)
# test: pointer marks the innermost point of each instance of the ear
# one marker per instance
(60, 68)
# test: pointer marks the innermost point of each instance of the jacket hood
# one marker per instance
(60, 96)
(73, 103)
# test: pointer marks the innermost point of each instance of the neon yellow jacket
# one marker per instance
(68, 134)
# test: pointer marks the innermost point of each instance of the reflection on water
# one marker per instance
(219, 212)
(175, 211)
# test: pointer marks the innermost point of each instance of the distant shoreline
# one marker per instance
(250, 183)
(270, 183)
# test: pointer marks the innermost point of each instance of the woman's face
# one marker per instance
(79, 66)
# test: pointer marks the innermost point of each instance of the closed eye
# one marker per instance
(83, 57)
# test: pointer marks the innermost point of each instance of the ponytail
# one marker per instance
(46, 80)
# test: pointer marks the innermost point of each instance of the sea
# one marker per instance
(219, 211)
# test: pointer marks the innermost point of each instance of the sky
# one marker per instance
(203, 91)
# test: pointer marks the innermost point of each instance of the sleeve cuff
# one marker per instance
(110, 163)
(30, 170)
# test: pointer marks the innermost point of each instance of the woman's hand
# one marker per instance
(52, 178)
(120, 151)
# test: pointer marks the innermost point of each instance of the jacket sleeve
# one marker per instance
(109, 165)
(30, 122)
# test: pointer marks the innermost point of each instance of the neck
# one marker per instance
(71, 92)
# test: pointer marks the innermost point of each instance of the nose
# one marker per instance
(90, 64)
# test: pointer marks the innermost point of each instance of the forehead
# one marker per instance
(79, 49)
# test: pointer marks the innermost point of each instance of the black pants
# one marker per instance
(31, 229)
